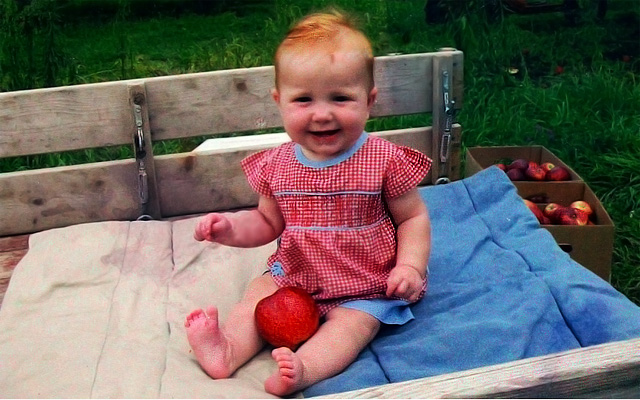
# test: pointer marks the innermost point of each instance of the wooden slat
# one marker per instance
(8, 262)
(585, 371)
(12, 249)
(240, 100)
(64, 118)
(31, 201)
(200, 182)
(97, 115)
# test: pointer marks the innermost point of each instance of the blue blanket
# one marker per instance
(500, 289)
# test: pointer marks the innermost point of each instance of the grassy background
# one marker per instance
(588, 113)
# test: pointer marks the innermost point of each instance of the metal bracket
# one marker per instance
(145, 175)
(139, 144)
(448, 104)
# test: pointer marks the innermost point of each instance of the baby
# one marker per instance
(353, 230)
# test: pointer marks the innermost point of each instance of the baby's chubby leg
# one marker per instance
(221, 350)
(329, 351)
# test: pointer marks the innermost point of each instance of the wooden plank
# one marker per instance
(31, 201)
(64, 118)
(8, 262)
(585, 371)
(98, 115)
(240, 100)
(191, 183)
(12, 249)
(17, 242)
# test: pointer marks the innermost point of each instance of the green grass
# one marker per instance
(588, 115)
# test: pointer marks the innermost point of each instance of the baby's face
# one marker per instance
(324, 99)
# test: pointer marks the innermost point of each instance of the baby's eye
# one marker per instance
(341, 98)
(302, 99)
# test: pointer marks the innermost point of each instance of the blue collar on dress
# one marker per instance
(332, 161)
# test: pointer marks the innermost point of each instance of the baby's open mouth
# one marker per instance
(325, 133)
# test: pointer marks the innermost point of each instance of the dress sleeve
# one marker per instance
(257, 168)
(405, 170)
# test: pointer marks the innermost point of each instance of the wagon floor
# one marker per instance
(12, 249)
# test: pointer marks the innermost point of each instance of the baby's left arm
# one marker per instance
(414, 245)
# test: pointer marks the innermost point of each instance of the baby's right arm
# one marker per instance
(251, 228)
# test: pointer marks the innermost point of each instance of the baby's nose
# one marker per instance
(322, 113)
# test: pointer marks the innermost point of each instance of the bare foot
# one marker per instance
(209, 344)
(288, 378)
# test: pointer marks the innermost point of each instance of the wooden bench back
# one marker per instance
(173, 107)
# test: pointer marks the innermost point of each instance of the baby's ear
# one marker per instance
(373, 94)
(276, 95)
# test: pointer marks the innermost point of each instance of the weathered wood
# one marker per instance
(31, 201)
(8, 262)
(240, 100)
(198, 182)
(64, 118)
(12, 249)
(585, 371)
(10, 243)
(98, 115)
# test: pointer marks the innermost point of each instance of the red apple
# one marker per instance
(571, 216)
(516, 174)
(501, 166)
(582, 206)
(547, 166)
(535, 173)
(551, 211)
(287, 318)
(534, 209)
(558, 173)
(558, 70)
(520, 164)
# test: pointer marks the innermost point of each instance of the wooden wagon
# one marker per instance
(177, 186)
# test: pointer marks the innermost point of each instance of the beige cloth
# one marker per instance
(98, 310)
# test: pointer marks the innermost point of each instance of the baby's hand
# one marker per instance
(212, 227)
(405, 282)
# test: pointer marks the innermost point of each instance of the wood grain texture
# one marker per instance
(32, 201)
(575, 373)
(179, 106)
(64, 118)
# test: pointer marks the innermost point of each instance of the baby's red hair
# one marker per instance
(332, 30)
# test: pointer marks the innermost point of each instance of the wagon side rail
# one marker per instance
(140, 112)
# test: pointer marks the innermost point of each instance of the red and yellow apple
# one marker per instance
(582, 206)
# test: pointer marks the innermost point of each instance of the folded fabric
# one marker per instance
(500, 289)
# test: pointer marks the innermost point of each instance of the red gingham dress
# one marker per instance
(339, 242)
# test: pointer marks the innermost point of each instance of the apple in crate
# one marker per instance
(520, 164)
(535, 172)
(287, 318)
(558, 173)
(516, 174)
(534, 209)
(582, 206)
(547, 166)
(551, 211)
(571, 216)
